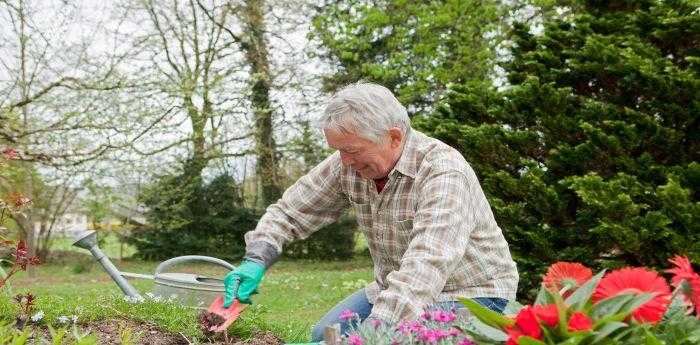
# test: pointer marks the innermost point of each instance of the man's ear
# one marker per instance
(395, 137)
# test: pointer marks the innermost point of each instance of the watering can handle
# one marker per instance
(187, 258)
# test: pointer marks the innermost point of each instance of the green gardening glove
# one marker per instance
(242, 282)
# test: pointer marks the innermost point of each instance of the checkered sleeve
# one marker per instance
(313, 201)
(438, 242)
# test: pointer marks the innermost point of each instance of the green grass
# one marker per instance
(293, 295)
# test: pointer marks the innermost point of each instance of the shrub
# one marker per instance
(188, 217)
(335, 241)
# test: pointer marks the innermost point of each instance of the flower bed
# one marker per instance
(631, 305)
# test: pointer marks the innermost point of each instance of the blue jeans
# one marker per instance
(358, 303)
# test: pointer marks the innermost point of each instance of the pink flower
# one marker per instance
(355, 339)
(466, 341)
(443, 316)
(407, 327)
(347, 314)
(432, 336)
(375, 323)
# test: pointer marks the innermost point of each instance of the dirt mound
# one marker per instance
(110, 332)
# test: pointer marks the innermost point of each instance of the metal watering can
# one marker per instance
(189, 289)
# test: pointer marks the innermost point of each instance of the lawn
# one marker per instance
(293, 295)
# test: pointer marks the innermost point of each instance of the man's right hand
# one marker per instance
(242, 282)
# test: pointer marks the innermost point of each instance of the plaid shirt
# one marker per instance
(430, 231)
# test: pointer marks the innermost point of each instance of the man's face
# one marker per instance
(369, 159)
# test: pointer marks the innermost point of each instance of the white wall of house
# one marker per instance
(68, 225)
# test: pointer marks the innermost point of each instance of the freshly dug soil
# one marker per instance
(208, 321)
(108, 332)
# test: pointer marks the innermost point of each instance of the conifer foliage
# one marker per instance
(591, 153)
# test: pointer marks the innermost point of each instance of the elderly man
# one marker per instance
(429, 228)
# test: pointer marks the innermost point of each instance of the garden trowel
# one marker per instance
(229, 314)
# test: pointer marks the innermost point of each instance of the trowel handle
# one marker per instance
(188, 258)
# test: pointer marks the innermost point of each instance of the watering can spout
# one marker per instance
(88, 240)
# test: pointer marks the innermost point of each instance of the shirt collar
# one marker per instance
(406, 164)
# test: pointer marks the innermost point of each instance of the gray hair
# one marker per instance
(366, 109)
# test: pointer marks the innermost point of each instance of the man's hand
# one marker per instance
(242, 282)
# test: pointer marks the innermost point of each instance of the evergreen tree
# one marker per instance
(415, 48)
(188, 217)
(591, 154)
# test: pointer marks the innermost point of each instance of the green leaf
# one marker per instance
(488, 332)
(651, 339)
(580, 297)
(607, 329)
(486, 315)
(637, 301)
(575, 340)
(543, 297)
(608, 306)
(525, 340)
(623, 333)
(57, 335)
(512, 308)
(21, 338)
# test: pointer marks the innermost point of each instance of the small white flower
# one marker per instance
(38, 316)
(150, 295)
(63, 319)
(133, 300)
(74, 318)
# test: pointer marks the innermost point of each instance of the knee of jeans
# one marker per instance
(317, 333)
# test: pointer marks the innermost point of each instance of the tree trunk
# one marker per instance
(194, 168)
(261, 80)
(24, 87)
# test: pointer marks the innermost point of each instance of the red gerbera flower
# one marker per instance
(568, 275)
(637, 280)
(580, 322)
(684, 272)
(525, 324)
(683, 269)
(547, 314)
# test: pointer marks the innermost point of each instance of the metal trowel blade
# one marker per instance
(229, 314)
